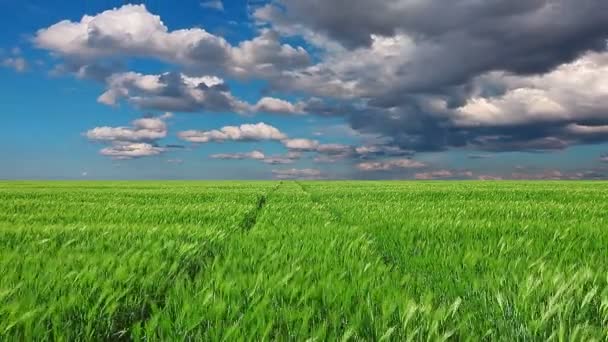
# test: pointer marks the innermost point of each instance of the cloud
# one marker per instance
(136, 141)
(286, 158)
(132, 31)
(145, 129)
(19, 64)
(300, 144)
(255, 154)
(572, 92)
(172, 92)
(278, 106)
(129, 150)
(308, 145)
(297, 174)
(245, 132)
(390, 165)
(502, 112)
(443, 174)
(434, 174)
(521, 35)
(375, 151)
(14, 61)
(179, 92)
(213, 4)
(549, 174)
(260, 132)
(506, 76)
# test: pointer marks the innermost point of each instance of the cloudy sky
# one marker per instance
(313, 89)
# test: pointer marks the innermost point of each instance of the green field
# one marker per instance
(295, 260)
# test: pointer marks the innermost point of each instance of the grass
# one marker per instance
(296, 260)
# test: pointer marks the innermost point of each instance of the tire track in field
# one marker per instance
(251, 218)
(193, 269)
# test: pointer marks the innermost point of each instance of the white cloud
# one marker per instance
(132, 142)
(144, 129)
(245, 132)
(301, 144)
(278, 106)
(390, 165)
(129, 150)
(255, 155)
(573, 91)
(133, 31)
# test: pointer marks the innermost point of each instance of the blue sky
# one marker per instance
(294, 89)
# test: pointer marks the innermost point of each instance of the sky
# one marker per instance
(306, 89)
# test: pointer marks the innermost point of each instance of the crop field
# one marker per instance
(297, 260)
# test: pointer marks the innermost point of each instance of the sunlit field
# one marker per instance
(294, 260)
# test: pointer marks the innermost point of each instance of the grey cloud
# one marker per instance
(173, 91)
(297, 174)
(551, 111)
(280, 159)
(377, 151)
(130, 150)
(488, 75)
(391, 164)
(520, 35)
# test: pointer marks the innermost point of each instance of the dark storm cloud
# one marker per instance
(492, 75)
(518, 35)
(411, 130)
